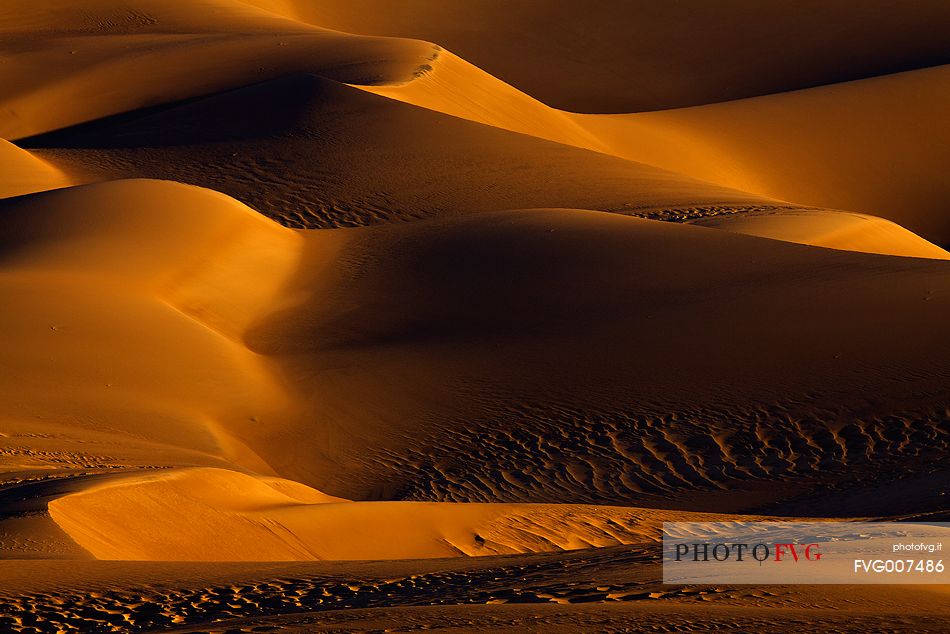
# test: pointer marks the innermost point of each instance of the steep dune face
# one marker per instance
(546, 355)
(217, 515)
(131, 298)
(455, 87)
(720, 143)
(821, 147)
(330, 293)
(85, 76)
(878, 146)
(602, 349)
(313, 153)
(24, 173)
(605, 56)
(835, 230)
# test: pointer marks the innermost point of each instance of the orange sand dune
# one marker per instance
(606, 56)
(821, 147)
(281, 284)
(62, 68)
(218, 515)
(331, 155)
(722, 143)
(182, 322)
(131, 299)
(879, 146)
(24, 173)
(835, 230)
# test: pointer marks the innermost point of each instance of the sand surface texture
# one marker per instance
(347, 316)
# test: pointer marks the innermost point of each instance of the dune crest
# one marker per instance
(450, 85)
(824, 147)
(24, 173)
(604, 56)
(216, 515)
(325, 315)
(833, 229)
(224, 44)
(138, 294)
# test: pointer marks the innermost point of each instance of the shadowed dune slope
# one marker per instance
(823, 147)
(560, 354)
(465, 299)
(545, 355)
(330, 155)
(606, 56)
(61, 69)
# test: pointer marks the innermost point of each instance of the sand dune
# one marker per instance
(855, 169)
(605, 56)
(821, 147)
(220, 515)
(613, 329)
(682, 141)
(453, 86)
(280, 284)
(835, 230)
(126, 302)
(150, 42)
(330, 155)
(24, 173)
(416, 318)
(877, 146)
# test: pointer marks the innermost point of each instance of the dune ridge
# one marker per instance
(333, 315)
(221, 373)
(24, 173)
(150, 40)
(613, 57)
(219, 515)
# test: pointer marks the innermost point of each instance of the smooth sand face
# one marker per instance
(275, 292)
(25, 173)
(603, 56)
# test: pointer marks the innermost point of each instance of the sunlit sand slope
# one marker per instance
(832, 229)
(23, 173)
(555, 355)
(544, 355)
(879, 146)
(66, 63)
(131, 299)
(313, 153)
(824, 146)
(215, 515)
(609, 56)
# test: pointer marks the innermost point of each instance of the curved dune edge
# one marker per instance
(846, 231)
(220, 515)
(451, 85)
(24, 173)
(163, 52)
(137, 295)
(819, 147)
(822, 147)
(652, 54)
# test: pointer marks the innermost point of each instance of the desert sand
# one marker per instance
(326, 316)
